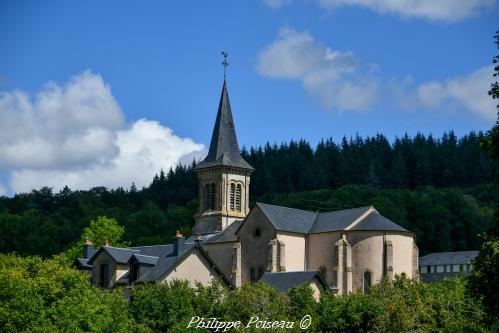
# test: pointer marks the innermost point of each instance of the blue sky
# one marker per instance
(96, 92)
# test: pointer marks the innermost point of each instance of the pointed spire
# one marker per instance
(224, 149)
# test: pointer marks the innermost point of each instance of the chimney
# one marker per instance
(88, 249)
(178, 244)
(106, 243)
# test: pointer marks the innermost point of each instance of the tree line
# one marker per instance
(446, 211)
(406, 163)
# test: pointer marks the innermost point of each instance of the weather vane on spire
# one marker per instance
(225, 63)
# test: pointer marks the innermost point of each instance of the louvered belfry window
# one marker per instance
(232, 196)
(238, 197)
(209, 196)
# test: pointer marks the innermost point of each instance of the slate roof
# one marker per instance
(284, 281)
(374, 221)
(338, 219)
(288, 219)
(302, 221)
(120, 255)
(123, 255)
(154, 250)
(224, 149)
(227, 235)
(83, 263)
(165, 264)
(146, 260)
(448, 258)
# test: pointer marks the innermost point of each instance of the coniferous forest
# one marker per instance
(439, 188)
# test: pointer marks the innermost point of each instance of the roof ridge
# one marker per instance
(135, 247)
(370, 209)
(144, 255)
(301, 210)
(343, 209)
(119, 248)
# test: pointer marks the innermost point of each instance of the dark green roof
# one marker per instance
(224, 150)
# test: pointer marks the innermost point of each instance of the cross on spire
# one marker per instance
(225, 63)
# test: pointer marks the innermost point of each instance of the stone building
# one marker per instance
(349, 250)
(438, 266)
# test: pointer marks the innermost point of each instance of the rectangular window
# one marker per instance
(455, 268)
(104, 276)
(440, 269)
(448, 269)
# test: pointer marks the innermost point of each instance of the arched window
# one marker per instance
(209, 196)
(232, 196)
(238, 197)
(366, 281)
(212, 196)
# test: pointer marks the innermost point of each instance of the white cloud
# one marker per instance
(441, 10)
(467, 92)
(330, 76)
(3, 190)
(76, 135)
(63, 125)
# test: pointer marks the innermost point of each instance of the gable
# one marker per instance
(194, 267)
(255, 218)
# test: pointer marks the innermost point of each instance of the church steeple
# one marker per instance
(224, 149)
(223, 176)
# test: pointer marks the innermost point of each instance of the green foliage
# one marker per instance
(257, 299)
(43, 296)
(161, 307)
(351, 313)
(99, 231)
(485, 278)
(302, 303)
(444, 307)
(104, 229)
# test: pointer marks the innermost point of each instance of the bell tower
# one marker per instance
(223, 176)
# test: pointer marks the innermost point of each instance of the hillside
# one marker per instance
(436, 188)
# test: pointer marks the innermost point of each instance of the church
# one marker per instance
(340, 251)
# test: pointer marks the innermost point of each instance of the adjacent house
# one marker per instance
(112, 266)
(438, 266)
